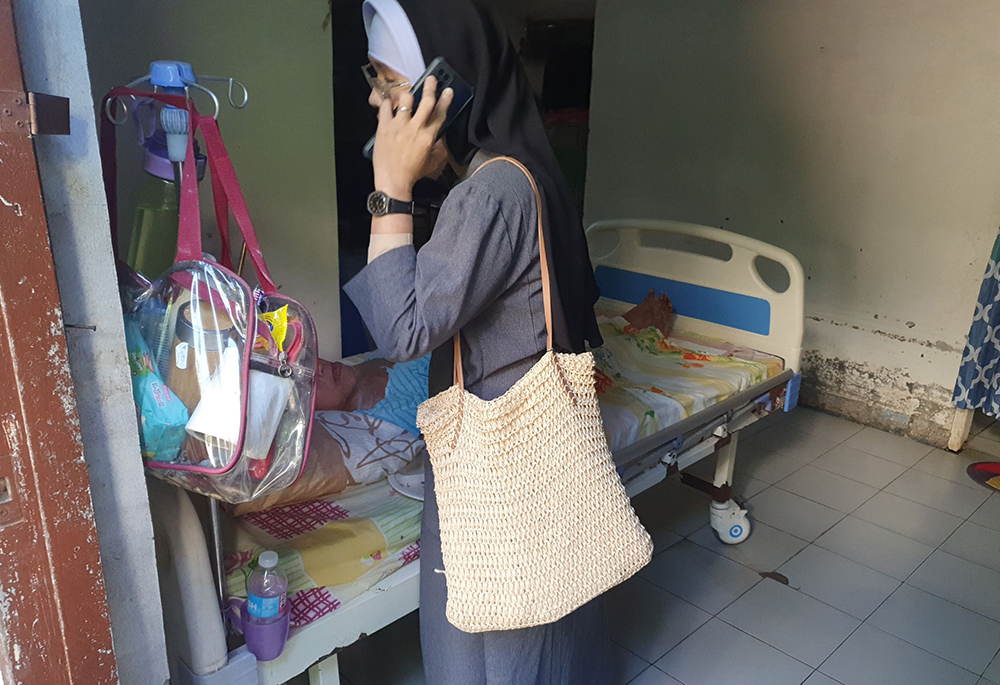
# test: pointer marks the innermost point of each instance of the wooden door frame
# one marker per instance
(54, 624)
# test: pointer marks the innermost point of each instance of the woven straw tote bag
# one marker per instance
(534, 519)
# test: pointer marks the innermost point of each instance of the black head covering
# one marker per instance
(503, 119)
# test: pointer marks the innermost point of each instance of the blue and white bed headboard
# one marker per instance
(716, 280)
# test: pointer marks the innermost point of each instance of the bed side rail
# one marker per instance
(692, 424)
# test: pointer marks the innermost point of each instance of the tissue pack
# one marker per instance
(162, 416)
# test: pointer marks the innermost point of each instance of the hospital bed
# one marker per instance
(722, 285)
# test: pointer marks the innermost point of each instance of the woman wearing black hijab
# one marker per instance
(478, 274)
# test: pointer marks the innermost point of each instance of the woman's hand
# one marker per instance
(405, 149)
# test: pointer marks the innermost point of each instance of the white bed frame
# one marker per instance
(631, 245)
(652, 248)
(677, 251)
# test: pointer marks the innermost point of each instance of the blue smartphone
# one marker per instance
(446, 78)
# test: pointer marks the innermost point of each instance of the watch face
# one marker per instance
(378, 204)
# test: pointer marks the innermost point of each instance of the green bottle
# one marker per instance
(154, 230)
(153, 245)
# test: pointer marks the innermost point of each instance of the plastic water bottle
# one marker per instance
(267, 590)
(154, 228)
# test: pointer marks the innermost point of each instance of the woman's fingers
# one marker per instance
(408, 146)
(441, 110)
(438, 155)
(384, 112)
(406, 100)
(427, 100)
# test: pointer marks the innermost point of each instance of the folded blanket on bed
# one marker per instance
(405, 390)
(332, 550)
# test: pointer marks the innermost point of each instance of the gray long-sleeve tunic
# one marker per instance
(480, 274)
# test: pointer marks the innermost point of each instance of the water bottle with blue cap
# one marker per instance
(163, 134)
(267, 590)
(264, 619)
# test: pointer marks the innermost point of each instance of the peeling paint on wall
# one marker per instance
(939, 345)
(810, 162)
(879, 396)
(15, 205)
(11, 434)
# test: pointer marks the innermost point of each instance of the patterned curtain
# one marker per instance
(978, 384)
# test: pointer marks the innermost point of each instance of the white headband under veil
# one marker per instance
(391, 39)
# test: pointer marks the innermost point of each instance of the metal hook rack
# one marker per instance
(183, 75)
(176, 78)
(232, 82)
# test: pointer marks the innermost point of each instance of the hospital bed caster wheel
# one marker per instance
(730, 522)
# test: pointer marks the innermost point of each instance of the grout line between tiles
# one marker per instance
(854, 631)
(869, 522)
(804, 462)
(718, 614)
(826, 676)
(663, 672)
(874, 627)
(737, 628)
(931, 475)
(631, 652)
(929, 449)
(901, 583)
(765, 642)
(995, 656)
(972, 485)
(775, 647)
(913, 644)
(875, 456)
(981, 434)
(943, 599)
(969, 517)
(891, 531)
(776, 485)
(906, 582)
(864, 621)
(798, 589)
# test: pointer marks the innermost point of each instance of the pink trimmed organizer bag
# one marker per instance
(223, 376)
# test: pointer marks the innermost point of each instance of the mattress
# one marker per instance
(332, 550)
(646, 382)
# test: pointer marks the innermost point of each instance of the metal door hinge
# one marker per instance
(33, 114)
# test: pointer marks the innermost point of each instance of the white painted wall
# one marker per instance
(281, 144)
(54, 61)
(861, 135)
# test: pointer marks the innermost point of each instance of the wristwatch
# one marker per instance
(380, 204)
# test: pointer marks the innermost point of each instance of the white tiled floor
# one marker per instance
(892, 558)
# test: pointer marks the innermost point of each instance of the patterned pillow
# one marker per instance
(372, 449)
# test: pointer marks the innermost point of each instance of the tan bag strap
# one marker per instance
(459, 377)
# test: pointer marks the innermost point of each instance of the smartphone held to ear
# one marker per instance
(446, 78)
